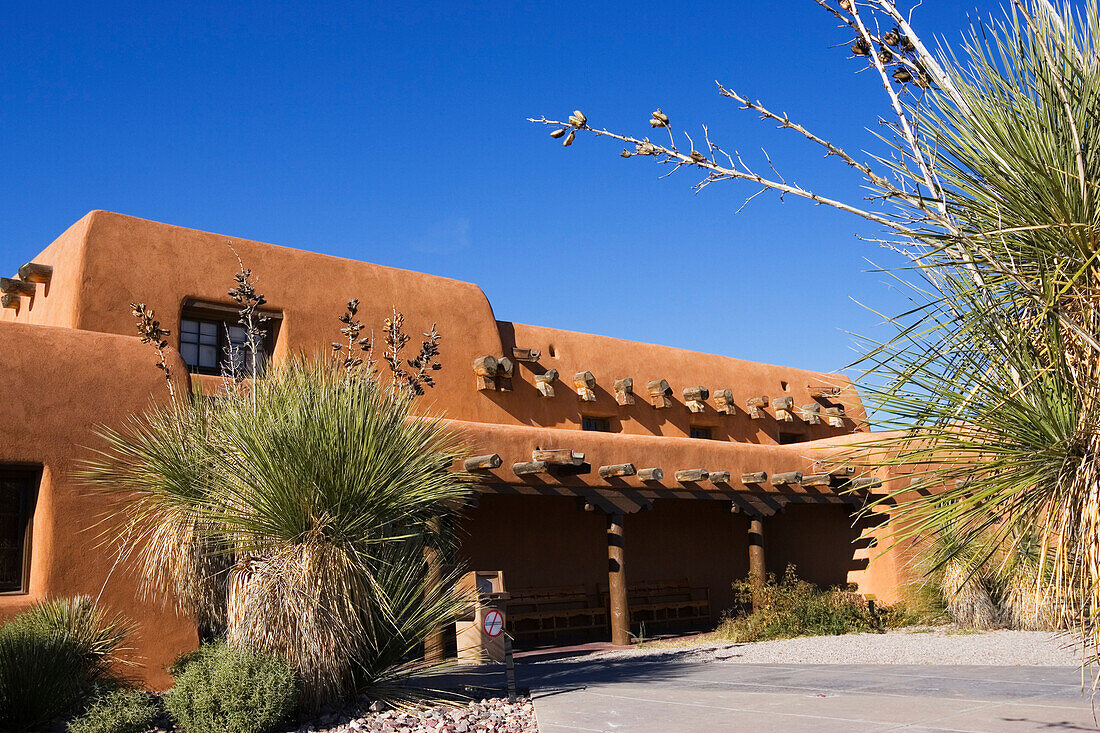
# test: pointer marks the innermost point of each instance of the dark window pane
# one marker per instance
(189, 326)
(17, 490)
(208, 357)
(598, 424)
(190, 354)
(699, 431)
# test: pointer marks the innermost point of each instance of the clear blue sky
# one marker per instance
(395, 133)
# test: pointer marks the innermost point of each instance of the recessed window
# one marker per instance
(786, 438)
(18, 492)
(212, 340)
(599, 424)
(702, 431)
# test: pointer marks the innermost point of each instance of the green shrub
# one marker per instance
(792, 607)
(53, 657)
(224, 690)
(118, 711)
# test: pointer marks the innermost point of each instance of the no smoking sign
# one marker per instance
(493, 623)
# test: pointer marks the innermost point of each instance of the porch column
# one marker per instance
(757, 572)
(616, 581)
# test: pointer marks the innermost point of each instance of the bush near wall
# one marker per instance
(791, 607)
(224, 690)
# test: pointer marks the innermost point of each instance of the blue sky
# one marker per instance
(395, 133)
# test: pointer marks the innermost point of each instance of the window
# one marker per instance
(787, 438)
(702, 431)
(18, 491)
(599, 424)
(212, 340)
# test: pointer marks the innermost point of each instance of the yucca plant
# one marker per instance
(305, 504)
(987, 186)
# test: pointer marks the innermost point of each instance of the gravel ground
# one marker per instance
(919, 645)
(491, 715)
(494, 715)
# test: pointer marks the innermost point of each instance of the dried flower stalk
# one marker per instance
(151, 333)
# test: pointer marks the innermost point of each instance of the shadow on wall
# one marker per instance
(528, 407)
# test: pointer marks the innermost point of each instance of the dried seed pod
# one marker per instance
(654, 122)
(902, 75)
(892, 38)
(885, 55)
(660, 116)
(577, 119)
(558, 132)
(907, 45)
(923, 80)
(861, 47)
(697, 156)
(846, 5)
(645, 148)
(569, 138)
(625, 153)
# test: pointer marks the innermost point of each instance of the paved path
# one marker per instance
(671, 693)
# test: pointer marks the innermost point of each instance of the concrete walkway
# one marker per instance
(672, 692)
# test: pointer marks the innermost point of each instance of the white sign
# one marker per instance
(494, 623)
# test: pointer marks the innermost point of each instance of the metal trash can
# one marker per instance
(480, 630)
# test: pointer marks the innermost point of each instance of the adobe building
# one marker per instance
(621, 483)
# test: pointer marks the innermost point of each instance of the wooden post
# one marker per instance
(757, 572)
(433, 644)
(616, 581)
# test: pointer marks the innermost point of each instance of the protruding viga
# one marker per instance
(694, 398)
(756, 407)
(585, 384)
(485, 370)
(504, 374)
(624, 391)
(544, 382)
(723, 401)
(835, 416)
(783, 407)
(660, 394)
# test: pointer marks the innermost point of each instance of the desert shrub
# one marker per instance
(117, 711)
(225, 690)
(790, 607)
(53, 657)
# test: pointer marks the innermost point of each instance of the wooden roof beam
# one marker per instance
(35, 272)
(660, 394)
(695, 398)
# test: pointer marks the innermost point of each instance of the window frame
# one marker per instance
(28, 501)
(224, 315)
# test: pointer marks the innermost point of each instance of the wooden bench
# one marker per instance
(554, 612)
(666, 603)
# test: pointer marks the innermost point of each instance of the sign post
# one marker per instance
(494, 627)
